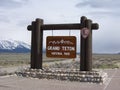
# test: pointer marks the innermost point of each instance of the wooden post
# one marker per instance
(86, 47)
(82, 47)
(38, 43)
(33, 48)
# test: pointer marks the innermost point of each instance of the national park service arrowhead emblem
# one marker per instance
(85, 32)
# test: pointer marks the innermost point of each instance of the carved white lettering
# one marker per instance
(56, 53)
(66, 53)
(53, 48)
(68, 48)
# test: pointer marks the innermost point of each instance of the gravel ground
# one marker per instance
(19, 83)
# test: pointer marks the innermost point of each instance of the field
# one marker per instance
(99, 61)
(15, 59)
(106, 61)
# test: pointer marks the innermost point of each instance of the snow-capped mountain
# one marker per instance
(14, 46)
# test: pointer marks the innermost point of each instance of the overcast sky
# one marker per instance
(16, 15)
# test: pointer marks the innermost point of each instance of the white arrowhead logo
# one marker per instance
(85, 32)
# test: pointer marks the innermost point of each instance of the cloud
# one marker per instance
(23, 23)
(114, 14)
(4, 19)
(11, 3)
(101, 7)
(106, 46)
(108, 4)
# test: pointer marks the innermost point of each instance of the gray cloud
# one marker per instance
(101, 7)
(108, 4)
(24, 23)
(104, 13)
(105, 47)
(3, 18)
(12, 3)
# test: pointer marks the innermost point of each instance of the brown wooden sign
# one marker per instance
(61, 46)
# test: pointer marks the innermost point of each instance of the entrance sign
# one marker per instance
(61, 46)
(85, 32)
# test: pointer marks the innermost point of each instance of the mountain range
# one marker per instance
(13, 46)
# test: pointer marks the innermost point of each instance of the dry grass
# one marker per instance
(99, 60)
(14, 59)
(106, 61)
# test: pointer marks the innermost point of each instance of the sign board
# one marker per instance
(85, 32)
(61, 46)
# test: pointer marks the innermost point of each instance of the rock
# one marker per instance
(66, 74)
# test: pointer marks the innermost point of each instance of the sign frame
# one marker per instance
(37, 27)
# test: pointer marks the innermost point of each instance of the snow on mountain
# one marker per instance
(14, 46)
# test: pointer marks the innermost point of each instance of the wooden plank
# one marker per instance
(76, 26)
(60, 26)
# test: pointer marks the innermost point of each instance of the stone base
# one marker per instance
(65, 74)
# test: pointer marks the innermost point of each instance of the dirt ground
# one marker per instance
(19, 83)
